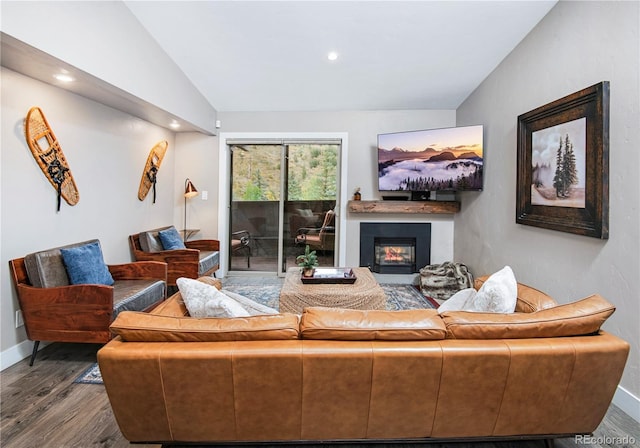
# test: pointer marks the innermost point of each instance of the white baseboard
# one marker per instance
(628, 402)
(17, 353)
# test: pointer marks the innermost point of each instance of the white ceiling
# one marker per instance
(272, 55)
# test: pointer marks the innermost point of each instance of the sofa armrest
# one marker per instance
(65, 309)
(203, 244)
(139, 269)
(169, 256)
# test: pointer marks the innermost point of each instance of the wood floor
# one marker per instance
(41, 407)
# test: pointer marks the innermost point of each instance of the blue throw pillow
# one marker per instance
(171, 239)
(85, 265)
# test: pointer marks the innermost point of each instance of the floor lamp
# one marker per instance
(189, 192)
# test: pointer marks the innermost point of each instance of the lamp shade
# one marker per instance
(189, 189)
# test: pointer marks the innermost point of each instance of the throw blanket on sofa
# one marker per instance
(441, 281)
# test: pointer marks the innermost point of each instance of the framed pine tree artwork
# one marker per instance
(563, 164)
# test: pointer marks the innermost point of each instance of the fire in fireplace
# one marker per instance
(395, 248)
(395, 252)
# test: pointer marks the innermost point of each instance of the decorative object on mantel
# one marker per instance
(434, 207)
(563, 164)
(307, 261)
(357, 195)
(51, 160)
(151, 168)
(189, 192)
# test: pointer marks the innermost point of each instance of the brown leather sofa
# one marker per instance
(546, 371)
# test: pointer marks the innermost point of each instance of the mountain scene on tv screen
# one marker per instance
(433, 167)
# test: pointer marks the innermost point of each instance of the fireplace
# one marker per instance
(395, 248)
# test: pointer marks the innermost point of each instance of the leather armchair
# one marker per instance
(200, 258)
(54, 310)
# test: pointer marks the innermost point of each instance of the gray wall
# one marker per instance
(363, 128)
(106, 151)
(576, 45)
(105, 40)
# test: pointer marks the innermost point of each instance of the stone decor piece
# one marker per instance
(441, 281)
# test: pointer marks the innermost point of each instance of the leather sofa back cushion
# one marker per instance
(150, 241)
(529, 299)
(138, 327)
(573, 319)
(46, 268)
(361, 325)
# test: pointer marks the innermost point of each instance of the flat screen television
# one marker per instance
(445, 159)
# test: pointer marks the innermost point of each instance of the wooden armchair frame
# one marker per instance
(180, 262)
(74, 313)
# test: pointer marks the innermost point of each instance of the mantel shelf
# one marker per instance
(439, 207)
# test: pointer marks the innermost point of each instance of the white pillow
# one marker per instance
(497, 295)
(457, 301)
(203, 300)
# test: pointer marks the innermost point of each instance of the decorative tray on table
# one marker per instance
(330, 275)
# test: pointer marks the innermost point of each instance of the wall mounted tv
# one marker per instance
(445, 159)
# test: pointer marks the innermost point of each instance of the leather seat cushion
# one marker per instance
(208, 260)
(578, 318)
(137, 326)
(364, 325)
(136, 295)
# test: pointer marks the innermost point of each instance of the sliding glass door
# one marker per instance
(283, 194)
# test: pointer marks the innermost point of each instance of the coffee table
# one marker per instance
(364, 294)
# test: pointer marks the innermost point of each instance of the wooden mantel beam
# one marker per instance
(438, 207)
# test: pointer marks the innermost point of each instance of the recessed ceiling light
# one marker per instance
(174, 124)
(63, 77)
(332, 56)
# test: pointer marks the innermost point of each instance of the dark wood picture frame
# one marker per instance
(588, 112)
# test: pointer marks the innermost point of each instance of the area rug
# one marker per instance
(91, 375)
(266, 290)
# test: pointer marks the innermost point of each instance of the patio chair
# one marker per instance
(322, 238)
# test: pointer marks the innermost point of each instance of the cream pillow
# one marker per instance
(498, 294)
(203, 300)
(457, 301)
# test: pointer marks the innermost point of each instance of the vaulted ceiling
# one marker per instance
(272, 55)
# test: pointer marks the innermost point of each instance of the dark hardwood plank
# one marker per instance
(42, 407)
